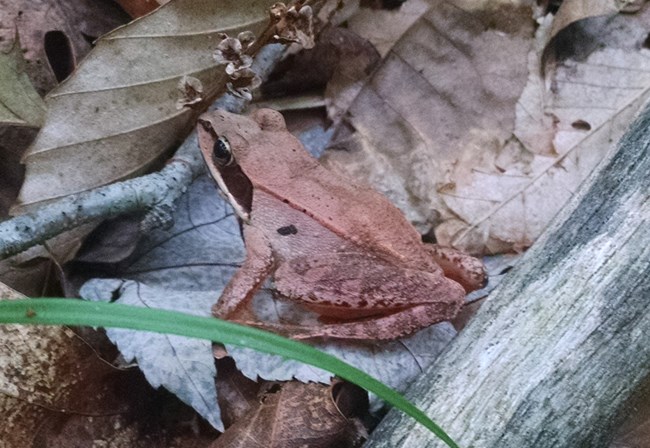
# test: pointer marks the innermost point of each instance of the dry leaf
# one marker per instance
(138, 8)
(382, 27)
(634, 432)
(13, 141)
(507, 194)
(454, 76)
(458, 143)
(568, 26)
(21, 111)
(237, 394)
(572, 11)
(357, 60)
(45, 370)
(56, 391)
(146, 419)
(337, 52)
(183, 366)
(20, 104)
(117, 114)
(69, 26)
(298, 415)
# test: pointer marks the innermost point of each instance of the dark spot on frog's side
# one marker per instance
(288, 230)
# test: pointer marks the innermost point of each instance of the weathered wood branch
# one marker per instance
(552, 357)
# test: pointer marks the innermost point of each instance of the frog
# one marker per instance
(331, 244)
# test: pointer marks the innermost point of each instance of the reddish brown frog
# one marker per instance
(339, 248)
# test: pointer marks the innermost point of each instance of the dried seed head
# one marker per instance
(190, 92)
(231, 51)
(246, 38)
(294, 24)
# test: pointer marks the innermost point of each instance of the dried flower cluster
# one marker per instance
(190, 92)
(291, 24)
(294, 24)
(232, 52)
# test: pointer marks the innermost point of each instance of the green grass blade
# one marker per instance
(98, 314)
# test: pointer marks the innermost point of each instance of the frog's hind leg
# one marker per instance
(368, 297)
(393, 326)
(459, 266)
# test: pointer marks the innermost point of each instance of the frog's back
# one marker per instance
(354, 211)
(365, 216)
(277, 163)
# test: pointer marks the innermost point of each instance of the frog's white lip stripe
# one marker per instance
(239, 210)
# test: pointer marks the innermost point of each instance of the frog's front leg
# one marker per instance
(241, 288)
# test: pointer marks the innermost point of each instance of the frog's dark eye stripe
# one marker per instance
(221, 152)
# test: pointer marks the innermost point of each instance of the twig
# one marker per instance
(158, 190)
(155, 193)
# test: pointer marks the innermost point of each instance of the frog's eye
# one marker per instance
(221, 152)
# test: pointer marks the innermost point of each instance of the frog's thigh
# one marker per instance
(459, 266)
(353, 285)
(250, 276)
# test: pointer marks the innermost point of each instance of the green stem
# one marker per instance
(98, 314)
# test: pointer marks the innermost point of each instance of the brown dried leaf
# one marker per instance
(356, 62)
(381, 28)
(237, 394)
(77, 22)
(46, 370)
(572, 11)
(56, 391)
(452, 77)
(446, 129)
(13, 142)
(20, 104)
(507, 193)
(341, 60)
(570, 34)
(634, 432)
(384, 27)
(297, 415)
(117, 114)
(148, 419)
(22, 111)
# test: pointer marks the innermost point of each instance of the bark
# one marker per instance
(552, 357)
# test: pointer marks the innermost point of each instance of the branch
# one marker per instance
(155, 193)
(158, 190)
(554, 354)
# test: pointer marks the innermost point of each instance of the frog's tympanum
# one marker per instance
(334, 246)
